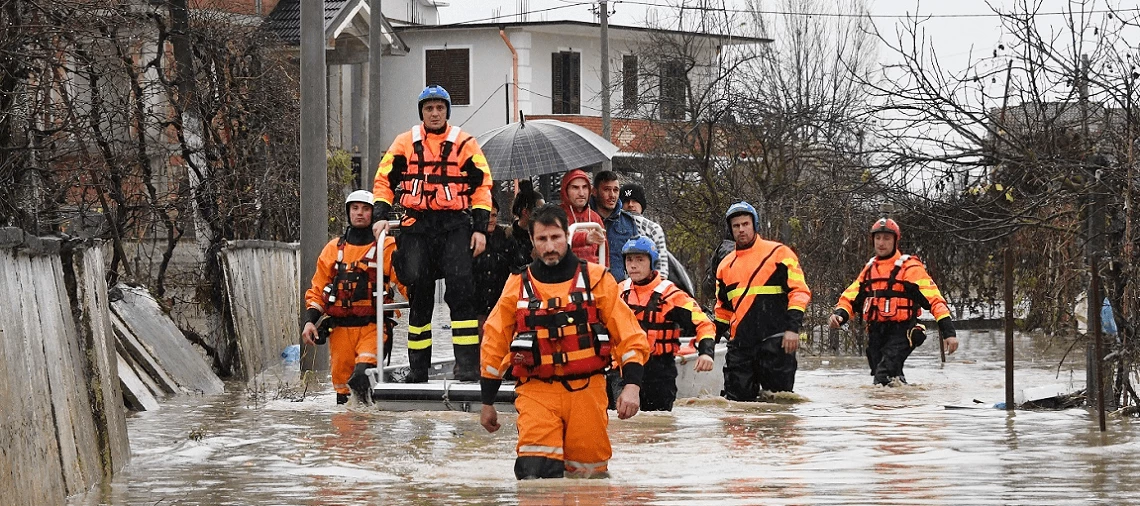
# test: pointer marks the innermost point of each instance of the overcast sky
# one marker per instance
(952, 38)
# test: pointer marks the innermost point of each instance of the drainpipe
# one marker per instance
(514, 73)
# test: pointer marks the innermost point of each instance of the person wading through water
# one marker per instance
(892, 290)
(761, 296)
(342, 289)
(557, 327)
(664, 311)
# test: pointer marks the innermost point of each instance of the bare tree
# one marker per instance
(1028, 147)
(780, 124)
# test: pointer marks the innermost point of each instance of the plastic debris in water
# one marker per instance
(291, 354)
(1107, 320)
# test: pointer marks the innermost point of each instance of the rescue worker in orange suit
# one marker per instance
(342, 289)
(556, 329)
(892, 290)
(761, 297)
(442, 180)
(664, 312)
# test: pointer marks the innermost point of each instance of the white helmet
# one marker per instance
(363, 196)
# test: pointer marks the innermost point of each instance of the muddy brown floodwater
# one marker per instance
(848, 442)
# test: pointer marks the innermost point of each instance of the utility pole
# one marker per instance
(373, 146)
(1092, 243)
(604, 11)
(314, 164)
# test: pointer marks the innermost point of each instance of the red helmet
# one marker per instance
(887, 225)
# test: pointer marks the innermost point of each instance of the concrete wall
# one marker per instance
(263, 292)
(63, 431)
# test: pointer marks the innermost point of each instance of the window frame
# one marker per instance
(576, 108)
(470, 73)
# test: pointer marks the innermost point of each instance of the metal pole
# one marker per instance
(1099, 367)
(1009, 402)
(606, 128)
(314, 165)
(1090, 244)
(373, 147)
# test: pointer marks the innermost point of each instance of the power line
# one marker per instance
(547, 96)
(489, 97)
(881, 16)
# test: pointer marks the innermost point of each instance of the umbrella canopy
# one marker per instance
(544, 146)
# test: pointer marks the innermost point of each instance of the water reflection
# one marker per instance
(848, 443)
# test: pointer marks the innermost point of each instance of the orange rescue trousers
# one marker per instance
(560, 430)
(349, 346)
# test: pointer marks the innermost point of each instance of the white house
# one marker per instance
(558, 69)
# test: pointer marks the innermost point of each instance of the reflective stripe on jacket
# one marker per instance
(761, 290)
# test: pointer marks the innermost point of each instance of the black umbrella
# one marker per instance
(544, 146)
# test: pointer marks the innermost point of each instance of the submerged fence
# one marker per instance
(262, 297)
(63, 416)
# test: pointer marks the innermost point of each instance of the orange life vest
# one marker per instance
(559, 340)
(435, 181)
(886, 299)
(353, 287)
(664, 336)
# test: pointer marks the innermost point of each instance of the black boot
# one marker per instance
(419, 361)
(358, 382)
(466, 362)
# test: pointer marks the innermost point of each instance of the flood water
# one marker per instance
(848, 443)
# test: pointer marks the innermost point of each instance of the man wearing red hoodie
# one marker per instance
(575, 201)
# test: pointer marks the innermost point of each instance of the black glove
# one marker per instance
(380, 211)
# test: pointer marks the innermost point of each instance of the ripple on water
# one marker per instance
(838, 440)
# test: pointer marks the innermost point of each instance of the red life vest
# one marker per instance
(436, 183)
(559, 340)
(886, 299)
(664, 336)
(352, 290)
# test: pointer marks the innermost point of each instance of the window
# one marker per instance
(566, 82)
(629, 89)
(674, 83)
(450, 68)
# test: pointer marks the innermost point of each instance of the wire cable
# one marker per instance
(489, 97)
(884, 16)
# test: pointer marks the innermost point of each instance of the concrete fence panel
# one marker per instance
(262, 293)
(54, 443)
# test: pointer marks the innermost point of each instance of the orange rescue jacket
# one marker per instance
(627, 342)
(439, 172)
(761, 290)
(893, 289)
(663, 310)
(346, 274)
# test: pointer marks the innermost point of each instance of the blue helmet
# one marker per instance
(743, 207)
(643, 245)
(434, 92)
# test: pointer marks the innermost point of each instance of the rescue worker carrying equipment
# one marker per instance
(438, 174)
(343, 289)
(761, 297)
(555, 330)
(891, 292)
(664, 312)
